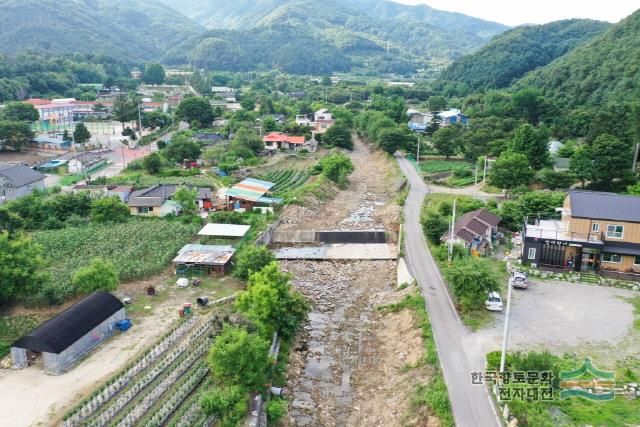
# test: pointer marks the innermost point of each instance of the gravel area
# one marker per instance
(565, 317)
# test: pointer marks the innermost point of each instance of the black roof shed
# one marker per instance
(60, 332)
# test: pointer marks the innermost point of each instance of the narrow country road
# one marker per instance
(457, 349)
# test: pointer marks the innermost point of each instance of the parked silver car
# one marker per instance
(518, 280)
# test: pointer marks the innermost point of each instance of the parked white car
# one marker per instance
(493, 302)
(518, 280)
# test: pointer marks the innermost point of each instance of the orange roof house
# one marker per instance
(277, 140)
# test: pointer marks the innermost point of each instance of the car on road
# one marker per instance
(518, 280)
(493, 302)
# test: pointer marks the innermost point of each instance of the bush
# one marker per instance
(471, 279)
(99, 275)
(240, 358)
(228, 404)
(337, 167)
(276, 410)
(250, 259)
(109, 209)
(462, 173)
(434, 227)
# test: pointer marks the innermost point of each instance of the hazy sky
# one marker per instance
(516, 12)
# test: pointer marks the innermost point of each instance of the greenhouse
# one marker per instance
(58, 343)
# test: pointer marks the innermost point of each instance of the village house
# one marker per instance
(278, 118)
(136, 73)
(278, 140)
(246, 195)
(156, 200)
(475, 230)
(320, 121)
(18, 181)
(419, 121)
(85, 163)
(597, 232)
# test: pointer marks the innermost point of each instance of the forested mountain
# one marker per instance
(140, 29)
(310, 37)
(605, 70)
(39, 76)
(243, 14)
(512, 54)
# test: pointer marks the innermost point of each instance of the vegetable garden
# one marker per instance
(453, 173)
(158, 388)
(287, 179)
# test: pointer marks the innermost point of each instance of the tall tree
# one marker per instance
(394, 138)
(123, 109)
(153, 73)
(14, 134)
(195, 109)
(21, 265)
(447, 140)
(437, 103)
(511, 170)
(529, 104)
(612, 160)
(580, 164)
(81, 134)
(19, 112)
(338, 135)
(534, 143)
(186, 198)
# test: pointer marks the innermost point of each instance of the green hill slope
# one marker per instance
(602, 71)
(135, 29)
(512, 54)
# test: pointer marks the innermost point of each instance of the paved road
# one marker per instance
(458, 350)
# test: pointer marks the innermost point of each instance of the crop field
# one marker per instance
(138, 248)
(160, 388)
(287, 179)
(452, 173)
(437, 166)
(141, 180)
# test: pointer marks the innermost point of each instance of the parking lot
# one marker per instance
(565, 317)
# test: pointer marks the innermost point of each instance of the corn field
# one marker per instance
(138, 249)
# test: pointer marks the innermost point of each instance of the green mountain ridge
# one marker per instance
(244, 14)
(510, 55)
(606, 70)
(307, 37)
(141, 29)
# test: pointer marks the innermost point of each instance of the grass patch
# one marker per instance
(575, 411)
(12, 328)
(636, 309)
(67, 180)
(433, 394)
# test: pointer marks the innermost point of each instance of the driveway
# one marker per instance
(564, 317)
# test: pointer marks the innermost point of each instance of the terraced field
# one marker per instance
(287, 179)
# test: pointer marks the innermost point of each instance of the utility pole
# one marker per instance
(475, 183)
(505, 333)
(140, 121)
(635, 157)
(418, 152)
(484, 173)
(451, 230)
